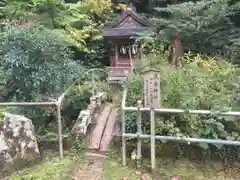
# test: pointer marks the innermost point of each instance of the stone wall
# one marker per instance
(86, 116)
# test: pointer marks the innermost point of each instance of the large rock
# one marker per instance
(17, 137)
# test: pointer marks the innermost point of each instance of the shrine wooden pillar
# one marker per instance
(116, 54)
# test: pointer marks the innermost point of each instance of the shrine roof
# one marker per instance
(130, 24)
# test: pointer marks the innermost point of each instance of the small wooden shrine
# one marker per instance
(121, 39)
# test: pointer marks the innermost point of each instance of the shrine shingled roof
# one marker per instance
(129, 24)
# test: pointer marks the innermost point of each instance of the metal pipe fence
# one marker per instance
(57, 105)
(139, 136)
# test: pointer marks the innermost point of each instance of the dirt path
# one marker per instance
(91, 169)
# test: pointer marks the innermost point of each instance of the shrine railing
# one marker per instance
(153, 137)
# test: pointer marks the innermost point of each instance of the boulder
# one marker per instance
(17, 137)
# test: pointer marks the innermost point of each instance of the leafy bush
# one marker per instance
(76, 100)
(203, 83)
(206, 27)
(54, 168)
(35, 66)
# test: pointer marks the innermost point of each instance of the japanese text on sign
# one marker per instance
(152, 89)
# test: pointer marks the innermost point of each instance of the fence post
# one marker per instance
(139, 132)
(153, 154)
(123, 139)
(93, 84)
(60, 138)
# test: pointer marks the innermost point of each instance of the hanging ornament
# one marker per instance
(123, 50)
(134, 49)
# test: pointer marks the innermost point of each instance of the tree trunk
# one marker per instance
(150, 4)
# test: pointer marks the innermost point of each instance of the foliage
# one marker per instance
(77, 23)
(52, 169)
(79, 145)
(113, 170)
(76, 100)
(203, 83)
(35, 64)
(13, 9)
(205, 26)
(2, 7)
(100, 8)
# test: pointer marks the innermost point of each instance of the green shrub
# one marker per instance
(202, 83)
(76, 100)
(35, 66)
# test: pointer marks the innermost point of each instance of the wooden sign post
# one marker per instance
(152, 99)
(152, 88)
